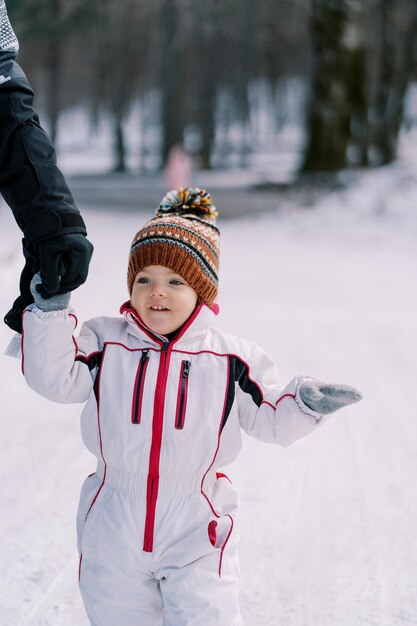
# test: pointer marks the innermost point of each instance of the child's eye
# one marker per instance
(142, 279)
(175, 281)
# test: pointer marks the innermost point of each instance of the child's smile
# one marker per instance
(162, 298)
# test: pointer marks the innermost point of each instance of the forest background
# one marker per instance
(223, 78)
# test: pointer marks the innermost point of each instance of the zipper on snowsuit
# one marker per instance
(138, 391)
(157, 425)
(155, 452)
(182, 395)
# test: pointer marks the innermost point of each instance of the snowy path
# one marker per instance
(328, 524)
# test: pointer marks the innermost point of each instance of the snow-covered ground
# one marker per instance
(329, 524)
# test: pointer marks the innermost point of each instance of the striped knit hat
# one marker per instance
(183, 236)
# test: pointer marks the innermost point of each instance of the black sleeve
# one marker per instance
(30, 181)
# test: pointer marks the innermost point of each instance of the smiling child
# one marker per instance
(167, 396)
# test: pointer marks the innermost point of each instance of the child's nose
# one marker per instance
(158, 290)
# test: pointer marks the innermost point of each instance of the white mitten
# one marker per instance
(326, 397)
(56, 303)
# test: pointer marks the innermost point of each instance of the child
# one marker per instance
(167, 397)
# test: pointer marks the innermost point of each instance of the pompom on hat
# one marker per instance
(184, 237)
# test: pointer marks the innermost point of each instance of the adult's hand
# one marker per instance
(63, 263)
(65, 256)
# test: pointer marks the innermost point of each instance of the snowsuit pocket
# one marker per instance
(182, 395)
(222, 530)
(219, 530)
(138, 389)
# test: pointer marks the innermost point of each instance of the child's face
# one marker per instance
(158, 286)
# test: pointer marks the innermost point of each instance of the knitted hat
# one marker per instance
(183, 236)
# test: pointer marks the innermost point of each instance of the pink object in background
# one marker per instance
(178, 168)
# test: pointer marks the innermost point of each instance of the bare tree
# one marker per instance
(117, 52)
(173, 78)
(337, 99)
(364, 56)
(392, 30)
(46, 26)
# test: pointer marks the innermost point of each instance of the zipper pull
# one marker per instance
(145, 356)
(165, 345)
(186, 369)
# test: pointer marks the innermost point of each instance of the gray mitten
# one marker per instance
(326, 398)
(56, 303)
(8, 40)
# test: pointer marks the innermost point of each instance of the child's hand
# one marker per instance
(56, 303)
(326, 398)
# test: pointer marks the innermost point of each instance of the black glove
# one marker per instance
(63, 263)
(13, 318)
(67, 256)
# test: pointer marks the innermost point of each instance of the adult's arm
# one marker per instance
(54, 233)
(30, 181)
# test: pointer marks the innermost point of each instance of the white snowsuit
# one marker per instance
(157, 526)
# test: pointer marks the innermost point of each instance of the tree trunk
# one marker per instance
(172, 93)
(53, 63)
(207, 119)
(119, 145)
(209, 70)
(390, 72)
(338, 86)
